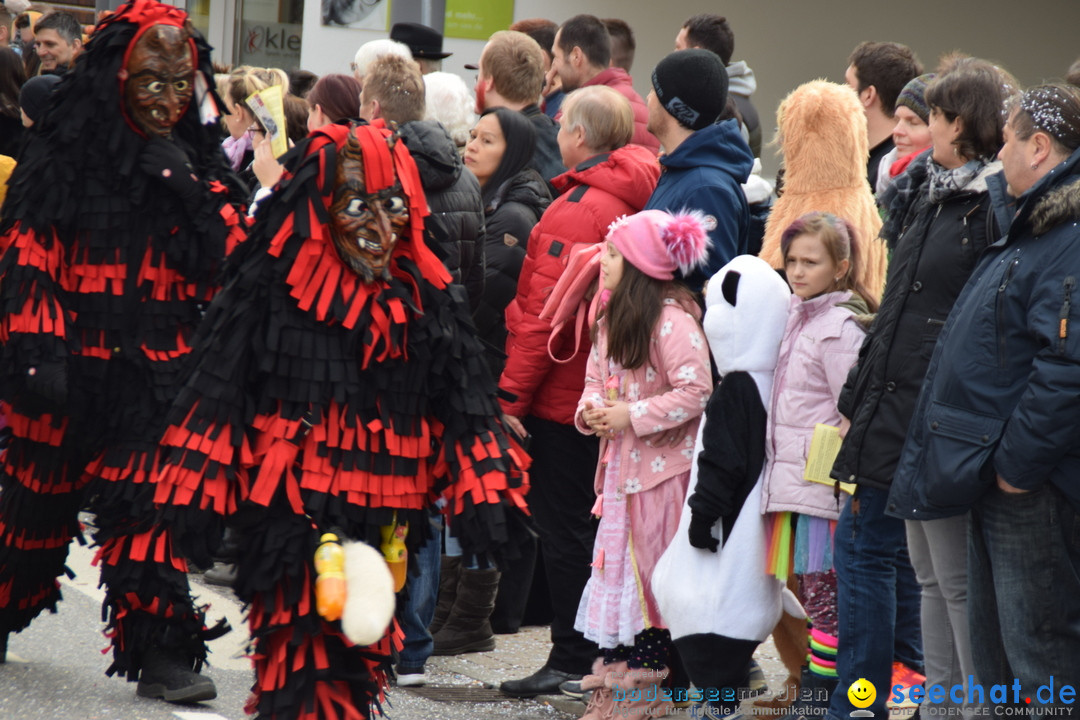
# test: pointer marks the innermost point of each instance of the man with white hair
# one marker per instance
(607, 178)
(371, 51)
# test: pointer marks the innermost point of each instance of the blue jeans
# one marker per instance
(877, 600)
(417, 609)
(1024, 590)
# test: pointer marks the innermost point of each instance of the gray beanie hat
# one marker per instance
(913, 96)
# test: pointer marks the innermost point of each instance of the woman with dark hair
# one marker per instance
(335, 98)
(12, 77)
(498, 153)
(938, 219)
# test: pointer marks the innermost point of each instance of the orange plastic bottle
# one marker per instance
(330, 583)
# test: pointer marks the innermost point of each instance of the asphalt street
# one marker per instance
(56, 670)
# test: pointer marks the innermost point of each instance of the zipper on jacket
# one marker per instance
(1063, 322)
(1005, 278)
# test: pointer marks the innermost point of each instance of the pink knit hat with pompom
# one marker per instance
(659, 243)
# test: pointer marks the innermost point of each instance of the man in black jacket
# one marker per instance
(394, 91)
(511, 75)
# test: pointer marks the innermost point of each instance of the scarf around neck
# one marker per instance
(943, 183)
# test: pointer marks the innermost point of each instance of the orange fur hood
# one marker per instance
(824, 140)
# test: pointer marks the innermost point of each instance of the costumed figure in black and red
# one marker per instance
(338, 385)
(115, 227)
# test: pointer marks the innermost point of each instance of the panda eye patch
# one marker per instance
(729, 288)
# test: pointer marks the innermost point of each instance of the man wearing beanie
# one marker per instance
(705, 161)
(607, 179)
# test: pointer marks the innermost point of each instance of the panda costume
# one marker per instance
(711, 584)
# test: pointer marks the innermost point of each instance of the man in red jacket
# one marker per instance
(580, 57)
(608, 179)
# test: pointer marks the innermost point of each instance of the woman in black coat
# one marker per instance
(940, 218)
(474, 603)
(498, 153)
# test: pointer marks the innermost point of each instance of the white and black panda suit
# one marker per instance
(720, 605)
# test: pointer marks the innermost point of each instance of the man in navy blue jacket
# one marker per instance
(996, 427)
(705, 162)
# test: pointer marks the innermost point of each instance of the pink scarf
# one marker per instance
(235, 148)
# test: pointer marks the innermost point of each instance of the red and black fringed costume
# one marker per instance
(104, 275)
(323, 399)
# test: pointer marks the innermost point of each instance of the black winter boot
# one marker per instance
(468, 629)
(449, 575)
(166, 675)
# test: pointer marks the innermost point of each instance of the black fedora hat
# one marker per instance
(423, 41)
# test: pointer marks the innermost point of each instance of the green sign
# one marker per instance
(477, 19)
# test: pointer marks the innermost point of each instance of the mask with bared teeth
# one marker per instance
(365, 227)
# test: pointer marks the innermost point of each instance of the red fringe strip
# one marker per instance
(96, 278)
(32, 252)
(47, 429)
(28, 601)
(35, 317)
(151, 546)
(17, 539)
(491, 486)
(182, 348)
(236, 222)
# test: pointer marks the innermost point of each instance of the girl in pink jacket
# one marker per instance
(647, 383)
(821, 342)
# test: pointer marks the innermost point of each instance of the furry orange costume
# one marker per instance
(823, 136)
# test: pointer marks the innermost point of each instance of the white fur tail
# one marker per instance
(369, 604)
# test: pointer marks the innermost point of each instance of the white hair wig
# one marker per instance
(450, 102)
(369, 52)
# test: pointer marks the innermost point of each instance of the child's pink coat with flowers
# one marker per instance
(671, 391)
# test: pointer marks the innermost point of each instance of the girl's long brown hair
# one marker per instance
(632, 312)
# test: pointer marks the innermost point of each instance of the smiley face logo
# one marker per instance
(862, 693)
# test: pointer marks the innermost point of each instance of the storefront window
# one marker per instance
(269, 33)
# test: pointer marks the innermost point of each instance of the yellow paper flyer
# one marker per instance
(268, 106)
(824, 446)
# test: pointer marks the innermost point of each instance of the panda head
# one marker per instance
(746, 308)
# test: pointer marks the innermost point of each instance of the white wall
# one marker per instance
(788, 42)
(331, 49)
